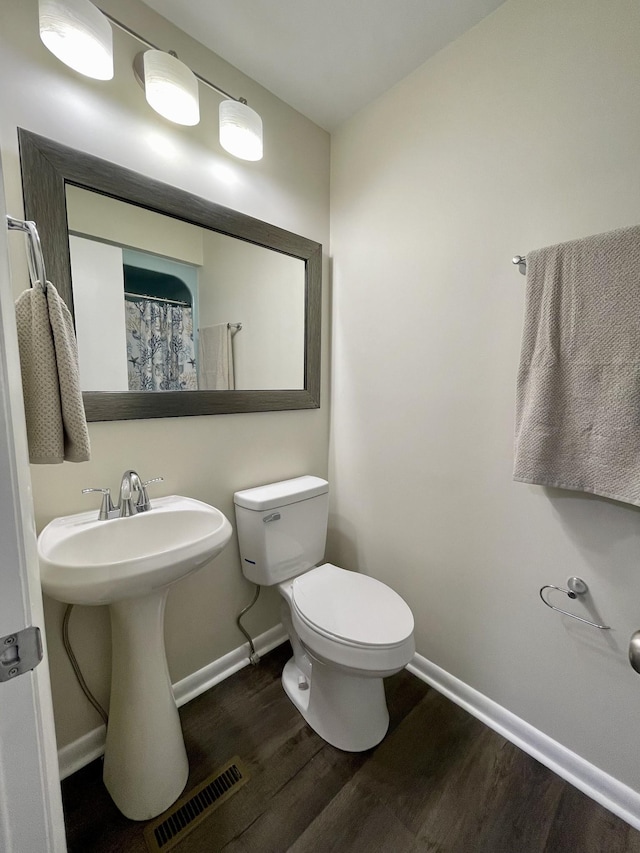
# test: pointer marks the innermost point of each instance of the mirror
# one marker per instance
(166, 301)
(229, 283)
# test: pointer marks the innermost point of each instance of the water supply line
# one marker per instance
(254, 657)
(76, 666)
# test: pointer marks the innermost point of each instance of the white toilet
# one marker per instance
(348, 631)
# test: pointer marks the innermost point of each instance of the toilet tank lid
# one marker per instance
(280, 494)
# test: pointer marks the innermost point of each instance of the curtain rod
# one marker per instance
(156, 298)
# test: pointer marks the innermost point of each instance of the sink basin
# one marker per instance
(129, 564)
(86, 561)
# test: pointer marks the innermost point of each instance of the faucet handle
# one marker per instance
(144, 503)
(107, 504)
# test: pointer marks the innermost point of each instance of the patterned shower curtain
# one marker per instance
(160, 349)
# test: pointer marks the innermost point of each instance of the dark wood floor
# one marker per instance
(441, 782)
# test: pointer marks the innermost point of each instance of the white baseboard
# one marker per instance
(213, 673)
(615, 796)
(91, 745)
(82, 751)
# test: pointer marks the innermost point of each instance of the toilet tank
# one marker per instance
(282, 528)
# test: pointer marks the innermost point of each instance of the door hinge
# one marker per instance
(20, 652)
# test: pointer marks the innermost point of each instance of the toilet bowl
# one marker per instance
(348, 631)
(352, 620)
(355, 631)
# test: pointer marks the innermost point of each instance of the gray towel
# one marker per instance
(578, 390)
(56, 423)
(215, 358)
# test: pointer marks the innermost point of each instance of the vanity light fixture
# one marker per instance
(79, 35)
(171, 87)
(240, 129)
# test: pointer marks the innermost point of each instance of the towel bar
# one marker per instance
(576, 587)
(521, 262)
(35, 258)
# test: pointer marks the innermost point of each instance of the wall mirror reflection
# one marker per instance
(166, 301)
(181, 306)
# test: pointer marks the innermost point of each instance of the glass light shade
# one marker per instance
(171, 87)
(240, 130)
(79, 35)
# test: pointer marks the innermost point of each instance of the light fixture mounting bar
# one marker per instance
(144, 41)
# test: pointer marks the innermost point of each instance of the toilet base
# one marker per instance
(348, 711)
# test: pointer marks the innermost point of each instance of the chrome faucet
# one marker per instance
(130, 481)
(127, 505)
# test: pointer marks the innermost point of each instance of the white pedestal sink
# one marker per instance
(129, 563)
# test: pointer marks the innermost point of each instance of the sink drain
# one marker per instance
(191, 809)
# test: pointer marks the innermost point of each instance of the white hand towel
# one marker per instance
(56, 423)
(578, 396)
(215, 358)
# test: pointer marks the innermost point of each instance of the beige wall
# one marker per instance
(92, 214)
(522, 133)
(204, 457)
(264, 290)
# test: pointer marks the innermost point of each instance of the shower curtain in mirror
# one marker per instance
(160, 348)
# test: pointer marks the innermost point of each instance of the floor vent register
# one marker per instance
(194, 807)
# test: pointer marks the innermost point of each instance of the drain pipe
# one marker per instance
(254, 657)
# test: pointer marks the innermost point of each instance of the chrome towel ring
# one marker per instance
(576, 587)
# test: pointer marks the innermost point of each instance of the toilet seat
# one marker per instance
(352, 619)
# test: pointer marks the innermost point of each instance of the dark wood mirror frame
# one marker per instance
(47, 167)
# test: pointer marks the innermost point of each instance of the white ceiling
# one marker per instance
(326, 58)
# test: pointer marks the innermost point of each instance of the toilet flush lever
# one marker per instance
(273, 516)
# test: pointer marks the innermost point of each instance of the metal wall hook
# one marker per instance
(576, 587)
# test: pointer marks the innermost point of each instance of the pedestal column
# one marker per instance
(145, 761)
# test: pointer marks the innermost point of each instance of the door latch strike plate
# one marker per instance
(20, 652)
